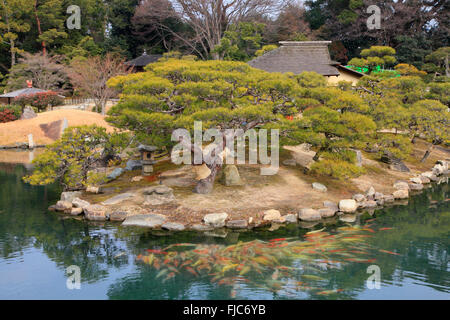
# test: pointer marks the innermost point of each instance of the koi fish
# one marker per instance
(390, 252)
(315, 231)
(244, 270)
(278, 239)
(229, 267)
(156, 251)
(185, 263)
(192, 271)
(161, 273)
(326, 292)
(382, 229)
(169, 276)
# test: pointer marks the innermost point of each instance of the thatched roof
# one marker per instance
(296, 57)
(144, 60)
(19, 92)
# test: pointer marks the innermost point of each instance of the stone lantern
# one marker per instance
(147, 156)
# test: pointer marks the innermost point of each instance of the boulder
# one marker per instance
(289, 162)
(118, 198)
(388, 198)
(443, 163)
(358, 197)
(331, 204)
(76, 211)
(280, 220)
(230, 176)
(158, 195)
(378, 196)
(96, 212)
(237, 224)
(416, 180)
(117, 172)
(319, 187)
(151, 220)
(400, 167)
(291, 218)
(308, 214)
(92, 189)
(438, 169)
(370, 193)
(173, 226)
(70, 195)
(302, 154)
(430, 175)
(348, 218)
(118, 215)
(158, 189)
(401, 185)
(62, 205)
(216, 220)
(163, 190)
(347, 205)
(158, 199)
(425, 180)
(416, 186)
(28, 113)
(201, 227)
(271, 214)
(401, 194)
(380, 202)
(133, 165)
(79, 203)
(326, 212)
(395, 164)
(369, 204)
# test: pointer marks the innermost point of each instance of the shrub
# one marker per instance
(7, 115)
(342, 155)
(70, 159)
(16, 109)
(338, 169)
(40, 100)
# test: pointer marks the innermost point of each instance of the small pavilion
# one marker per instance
(140, 62)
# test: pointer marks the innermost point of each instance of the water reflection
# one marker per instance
(37, 245)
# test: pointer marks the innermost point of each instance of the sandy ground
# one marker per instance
(17, 131)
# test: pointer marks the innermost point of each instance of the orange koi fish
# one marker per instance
(192, 271)
(156, 251)
(390, 252)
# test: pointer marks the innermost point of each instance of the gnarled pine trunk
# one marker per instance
(205, 186)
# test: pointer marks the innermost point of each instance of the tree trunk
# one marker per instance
(38, 22)
(427, 153)
(103, 108)
(205, 186)
(447, 71)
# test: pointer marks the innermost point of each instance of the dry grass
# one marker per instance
(17, 131)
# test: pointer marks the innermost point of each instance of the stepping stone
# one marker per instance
(118, 199)
(145, 220)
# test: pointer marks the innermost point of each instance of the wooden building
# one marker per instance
(300, 56)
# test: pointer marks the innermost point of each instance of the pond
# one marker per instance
(408, 244)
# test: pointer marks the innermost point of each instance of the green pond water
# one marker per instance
(410, 244)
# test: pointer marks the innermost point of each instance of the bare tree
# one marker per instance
(207, 19)
(90, 76)
(46, 72)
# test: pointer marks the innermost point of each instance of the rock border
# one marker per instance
(345, 210)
